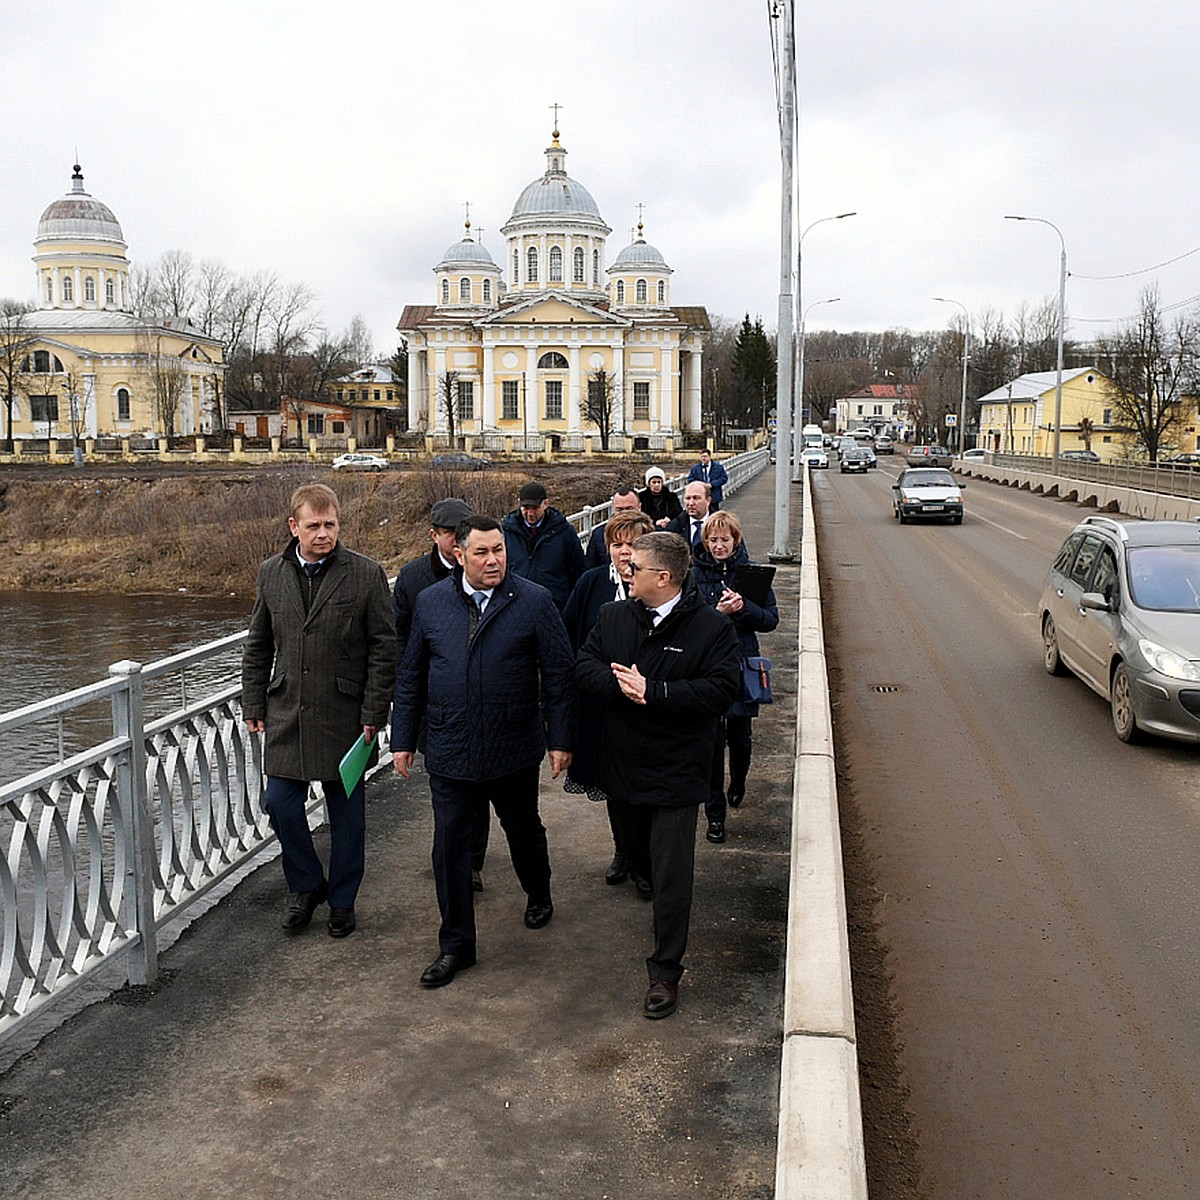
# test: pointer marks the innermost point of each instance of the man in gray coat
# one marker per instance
(317, 672)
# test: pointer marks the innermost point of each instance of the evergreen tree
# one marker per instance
(753, 373)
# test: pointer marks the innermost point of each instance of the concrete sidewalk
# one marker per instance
(269, 1066)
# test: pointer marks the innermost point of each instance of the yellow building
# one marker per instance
(93, 367)
(1018, 417)
(518, 357)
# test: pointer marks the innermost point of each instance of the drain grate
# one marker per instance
(886, 687)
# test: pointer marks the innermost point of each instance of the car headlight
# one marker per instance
(1167, 662)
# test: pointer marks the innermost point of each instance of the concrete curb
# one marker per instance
(820, 1149)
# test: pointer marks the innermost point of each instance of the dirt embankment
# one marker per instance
(207, 532)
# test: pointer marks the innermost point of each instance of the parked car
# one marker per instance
(927, 492)
(1120, 608)
(360, 462)
(1188, 462)
(859, 458)
(459, 462)
(1080, 456)
(862, 434)
(814, 456)
(884, 444)
(929, 456)
(975, 454)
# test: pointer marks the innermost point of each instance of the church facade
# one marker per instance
(557, 343)
(91, 366)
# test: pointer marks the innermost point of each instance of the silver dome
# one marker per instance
(640, 255)
(467, 253)
(555, 195)
(79, 217)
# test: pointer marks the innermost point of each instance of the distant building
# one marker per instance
(373, 397)
(90, 356)
(884, 407)
(516, 348)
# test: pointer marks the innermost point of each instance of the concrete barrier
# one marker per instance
(820, 1149)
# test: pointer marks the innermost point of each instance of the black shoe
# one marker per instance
(538, 912)
(618, 870)
(341, 922)
(716, 832)
(661, 999)
(444, 968)
(476, 880)
(734, 799)
(643, 886)
(303, 905)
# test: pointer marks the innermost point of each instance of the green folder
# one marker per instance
(354, 762)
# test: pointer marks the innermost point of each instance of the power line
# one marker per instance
(1143, 270)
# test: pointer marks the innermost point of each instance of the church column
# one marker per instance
(416, 362)
(90, 423)
(489, 386)
(531, 412)
(696, 386)
(620, 423)
(573, 423)
(56, 275)
(78, 288)
(437, 416)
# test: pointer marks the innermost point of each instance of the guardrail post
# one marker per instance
(128, 722)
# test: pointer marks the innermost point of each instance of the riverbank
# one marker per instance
(206, 532)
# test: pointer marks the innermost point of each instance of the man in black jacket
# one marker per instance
(665, 666)
(542, 544)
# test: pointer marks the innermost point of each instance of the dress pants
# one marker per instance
(714, 806)
(285, 801)
(455, 821)
(662, 843)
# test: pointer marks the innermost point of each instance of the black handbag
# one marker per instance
(756, 680)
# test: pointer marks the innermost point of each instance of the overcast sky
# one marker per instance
(335, 144)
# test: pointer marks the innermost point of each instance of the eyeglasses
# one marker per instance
(636, 567)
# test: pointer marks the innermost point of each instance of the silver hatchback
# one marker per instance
(1121, 608)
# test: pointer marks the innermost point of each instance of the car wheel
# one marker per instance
(957, 519)
(902, 517)
(1124, 722)
(1051, 659)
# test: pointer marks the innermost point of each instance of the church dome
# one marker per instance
(79, 217)
(467, 254)
(639, 256)
(557, 196)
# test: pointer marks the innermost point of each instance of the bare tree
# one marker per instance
(16, 340)
(600, 404)
(448, 399)
(166, 375)
(1151, 365)
(357, 342)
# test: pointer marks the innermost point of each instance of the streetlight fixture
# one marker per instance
(800, 371)
(1062, 317)
(962, 408)
(798, 398)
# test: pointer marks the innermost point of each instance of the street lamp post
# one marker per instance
(1062, 317)
(962, 408)
(800, 372)
(798, 398)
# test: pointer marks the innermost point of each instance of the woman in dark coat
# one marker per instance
(659, 503)
(715, 570)
(596, 588)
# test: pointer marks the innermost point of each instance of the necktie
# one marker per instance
(696, 535)
(480, 599)
(310, 569)
(652, 613)
(706, 470)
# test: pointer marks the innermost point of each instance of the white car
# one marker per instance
(927, 492)
(976, 454)
(360, 462)
(814, 456)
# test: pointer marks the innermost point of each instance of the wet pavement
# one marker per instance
(265, 1065)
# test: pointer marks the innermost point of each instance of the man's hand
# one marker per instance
(403, 760)
(369, 732)
(256, 726)
(663, 522)
(560, 760)
(631, 681)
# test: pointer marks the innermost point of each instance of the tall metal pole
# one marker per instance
(1062, 320)
(782, 550)
(800, 370)
(962, 407)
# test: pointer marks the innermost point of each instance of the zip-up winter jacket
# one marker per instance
(553, 558)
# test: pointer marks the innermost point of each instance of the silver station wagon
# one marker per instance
(1121, 608)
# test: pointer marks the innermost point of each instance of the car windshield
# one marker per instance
(927, 479)
(1165, 577)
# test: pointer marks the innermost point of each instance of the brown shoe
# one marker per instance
(661, 999)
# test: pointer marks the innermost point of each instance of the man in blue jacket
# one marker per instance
(707, 470)
(488, 665)
(542, 544)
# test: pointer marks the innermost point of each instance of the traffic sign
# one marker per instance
(951, 420)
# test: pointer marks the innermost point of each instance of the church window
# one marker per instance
(595, 268)
(552, 361)
(122, 404)
(509, 400)
(41, 362)
(339, 426)
(445, 291)
(49, 290)
(554, 409)
(89, 290)
(466, 400)
(662, 292)
(487, 291)
(531, 265)
(641, 292)
(620, 291)
(464, 291)
(110, 292)
(68, 289)
(516, 267)
(556, 264)
(641, 401)
(43, 408)
(579, 265)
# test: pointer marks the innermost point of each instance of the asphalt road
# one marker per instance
(1035, 877)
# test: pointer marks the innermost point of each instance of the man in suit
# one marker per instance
(317, 672)
(542, 544)
(709, 471)
(697, 498)
(624, 499)
(664, 666)
(488, 665)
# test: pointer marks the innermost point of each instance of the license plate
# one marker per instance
(933, 508)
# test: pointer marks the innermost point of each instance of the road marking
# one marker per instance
(996, 525)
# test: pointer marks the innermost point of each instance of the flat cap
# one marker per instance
(531, 493)
(446, 514)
